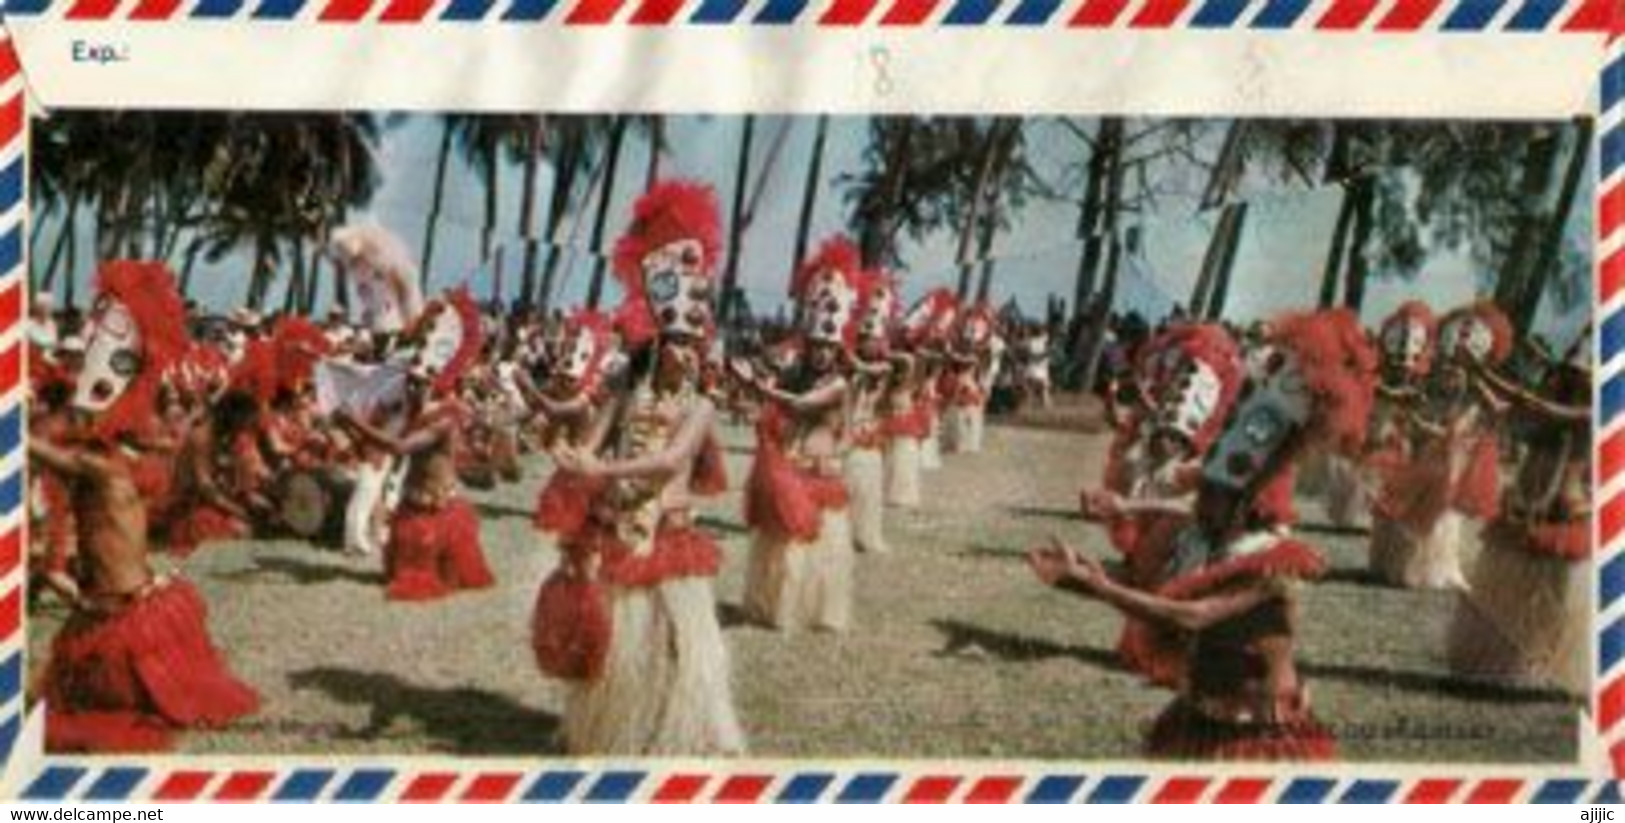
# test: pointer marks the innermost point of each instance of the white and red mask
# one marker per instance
(1191, 400)
(878, 311)
(1465, 337)
(584, 349)
(1278, 406)
(451, 342)
(678, 288)
(112, 356)
(931, 319)
(1405, 344)
(831, 302)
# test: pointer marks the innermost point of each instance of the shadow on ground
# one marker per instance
(460, 721)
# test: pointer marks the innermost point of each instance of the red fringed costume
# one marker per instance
(129, 667)
(121, 680)
(434, 551)
(781, 498)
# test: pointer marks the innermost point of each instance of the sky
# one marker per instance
(1277, 266)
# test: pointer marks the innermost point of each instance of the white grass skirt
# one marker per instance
(903, 458)
(794, 585)
(665, 687)
(1429, 561)
(931, 446)
(866, 486)
(1347, 503)
(1526, 620)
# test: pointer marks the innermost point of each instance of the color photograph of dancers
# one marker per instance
(810, 436)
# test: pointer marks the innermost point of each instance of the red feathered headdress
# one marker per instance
(830, 289)
(1338, 368)
(931, 319)
(597, 329)
(671, 211)
(1457, 337)
(976, 325)
(203, 369)
(1396, 340)
(283, 361)
(147, 291)
(879, 306)
(471, 337)
(1194, 373)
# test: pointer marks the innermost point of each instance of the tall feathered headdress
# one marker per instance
(147, 291)
(672, 211)
(828, 286)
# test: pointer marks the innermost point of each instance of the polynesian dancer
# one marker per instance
(967, 377)
(1188, 378)
(800, 574)
(1233, 586)
(134, 661)
(434, 547)
(872, 371)
(1406, 346)
(1527, 616)
(907, 405)
(1433, 501)
(567, 407)
(629, 618)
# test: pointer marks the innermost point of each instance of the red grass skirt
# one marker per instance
(1183, 733)
(203, 523)
(434, 552)
(571, 625)
(788, 502)
(121, 682)
(915, 423)
(564, 503)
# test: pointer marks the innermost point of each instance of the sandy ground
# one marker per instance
(957, 650)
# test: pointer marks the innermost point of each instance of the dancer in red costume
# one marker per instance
(134, 661)
(629, 618)
(801, 555)
(1450, 480)
(1406, 345)
(1188, 379)
(568, 406)
(907, 405)
(434, 537)
(1232, 587)
(968, 378)
(872, 371)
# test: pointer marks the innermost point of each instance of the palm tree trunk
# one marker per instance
(70, 289)
(314, 272)
(1365, 201)
(296, 278)
(1102, 305)
(1548, 251)
(657, 137)
(600, 223)
(985, 172)
(566, 170)
(1237, 223)
(879, 230)
(48, 281)
(1103, 202)
(527, 212)
(984, 252)
(736, 225)
(809, 203)
(488, 235)
(1089, 219)
(192, 250)
(436, 200)
(1334, 256)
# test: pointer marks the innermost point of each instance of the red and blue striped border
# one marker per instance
(119, 783)
(1388, 16)
(53, 779)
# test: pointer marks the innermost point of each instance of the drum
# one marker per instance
(311, 504)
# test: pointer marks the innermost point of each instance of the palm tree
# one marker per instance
(437, 198)
(606, 195)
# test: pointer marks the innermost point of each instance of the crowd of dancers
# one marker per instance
(151, 434)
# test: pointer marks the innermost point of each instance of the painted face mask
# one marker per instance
(679, 293)
(441, 344)
(1264, 423)
(1466, 339)
(877, 317)
(112, 356)
(1404, 343)
(831, 303)
(1192, 399)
